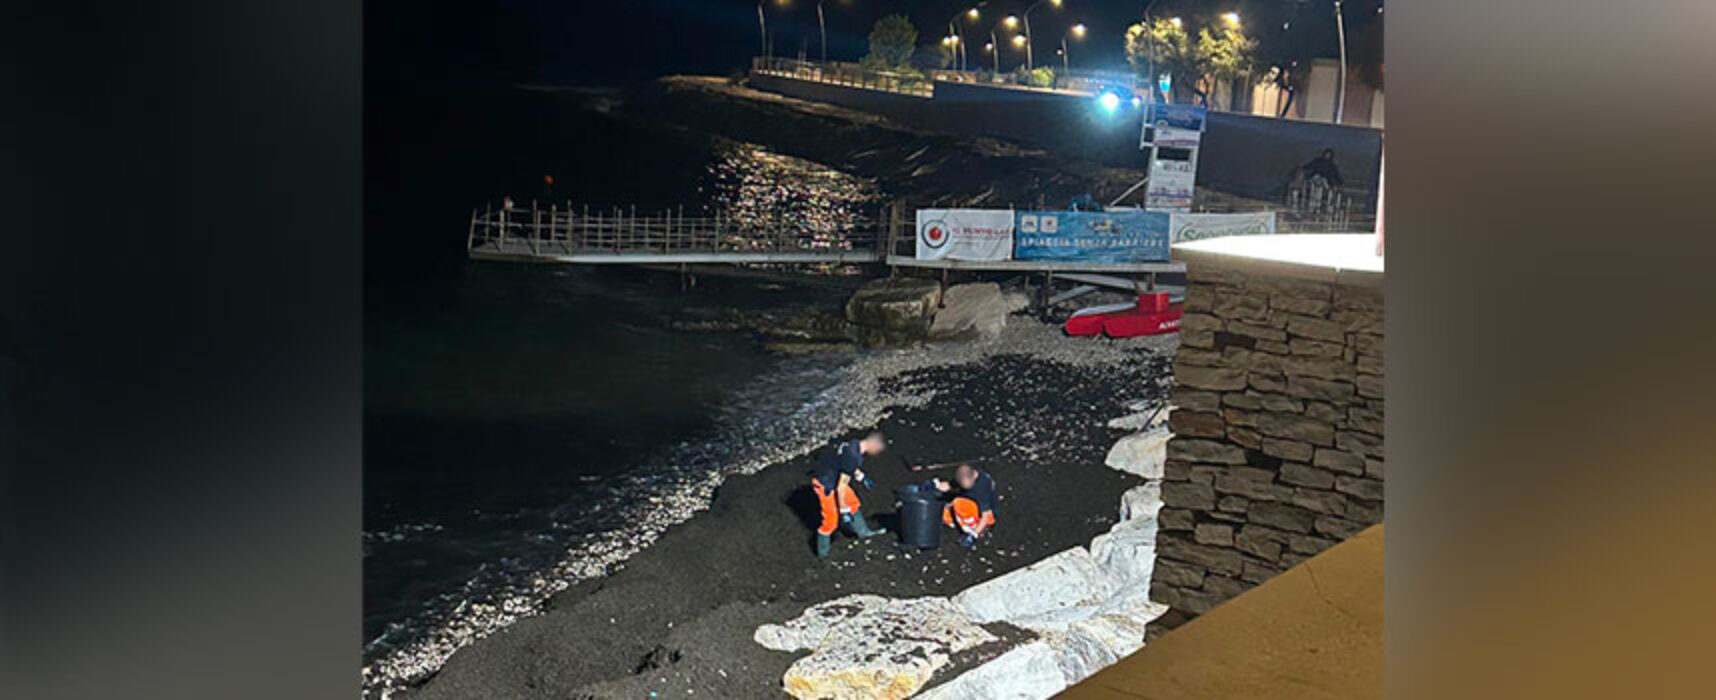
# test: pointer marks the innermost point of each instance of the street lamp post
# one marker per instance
(822, 27)
(959, 53)
(1231, 19)
(1010, 22)
(762, 28)
(1341, 89)
(1150, 44)
(1026, 16)
(1077, 32)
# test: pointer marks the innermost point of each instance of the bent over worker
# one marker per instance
(973, 509)
(832, 480)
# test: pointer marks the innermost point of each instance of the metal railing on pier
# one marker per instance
(845, 74)
(923, 85)
(564, 233)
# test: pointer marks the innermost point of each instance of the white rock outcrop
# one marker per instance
(811, 627)
(1063, 582)
(866, 646)
(975, 310)
(1147, 416)
(1127, 552)
(1111, 632)
(1026, 672)
(1141, 501)
(1141, 453)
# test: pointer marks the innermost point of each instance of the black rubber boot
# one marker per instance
(862, 529)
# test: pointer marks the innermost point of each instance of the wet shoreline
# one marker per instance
(677, 615)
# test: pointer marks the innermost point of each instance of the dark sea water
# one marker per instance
(519, 417)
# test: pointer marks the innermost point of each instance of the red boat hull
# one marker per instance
(1151, 315)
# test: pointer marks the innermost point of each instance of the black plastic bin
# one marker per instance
(920, 515)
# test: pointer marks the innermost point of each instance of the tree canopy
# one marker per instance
(1164, 46)
(892, 42)
(933, 57)
(1161, 47)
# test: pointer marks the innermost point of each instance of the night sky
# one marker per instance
(414, 45)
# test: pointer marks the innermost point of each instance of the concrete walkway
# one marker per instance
(1315, 631)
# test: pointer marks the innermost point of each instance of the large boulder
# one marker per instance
(1127, 552)
(1112, 631)
(865, 646)
(1141, 501)
(1027, 672)
(976, 310)
(1141, 453)
(1064, 582)
(811, 627)
(894, 310)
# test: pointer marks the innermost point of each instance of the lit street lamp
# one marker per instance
(1231, 18)
(994, 47)
(763, 26)
(1077, 32)
(1026, 16)
(953, 30)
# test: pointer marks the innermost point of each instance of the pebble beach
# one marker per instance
(670, 612)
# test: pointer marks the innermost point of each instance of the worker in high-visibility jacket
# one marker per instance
(972, 509)
(832, 480)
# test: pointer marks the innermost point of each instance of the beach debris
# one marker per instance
(868, 646)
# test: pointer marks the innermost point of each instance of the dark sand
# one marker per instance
(677, 619)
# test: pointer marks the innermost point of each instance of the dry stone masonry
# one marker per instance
(1277, 447)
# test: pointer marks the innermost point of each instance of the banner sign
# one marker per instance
(1129, 235)
(965, 234)
(1177, 138)
(1188, 117)
(1183, 226)
(1171, 184)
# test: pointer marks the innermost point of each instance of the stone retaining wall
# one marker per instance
(1277, 451)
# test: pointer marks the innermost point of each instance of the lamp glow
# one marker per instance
(1109, 101)
(1231, 18)
(1176, 22)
